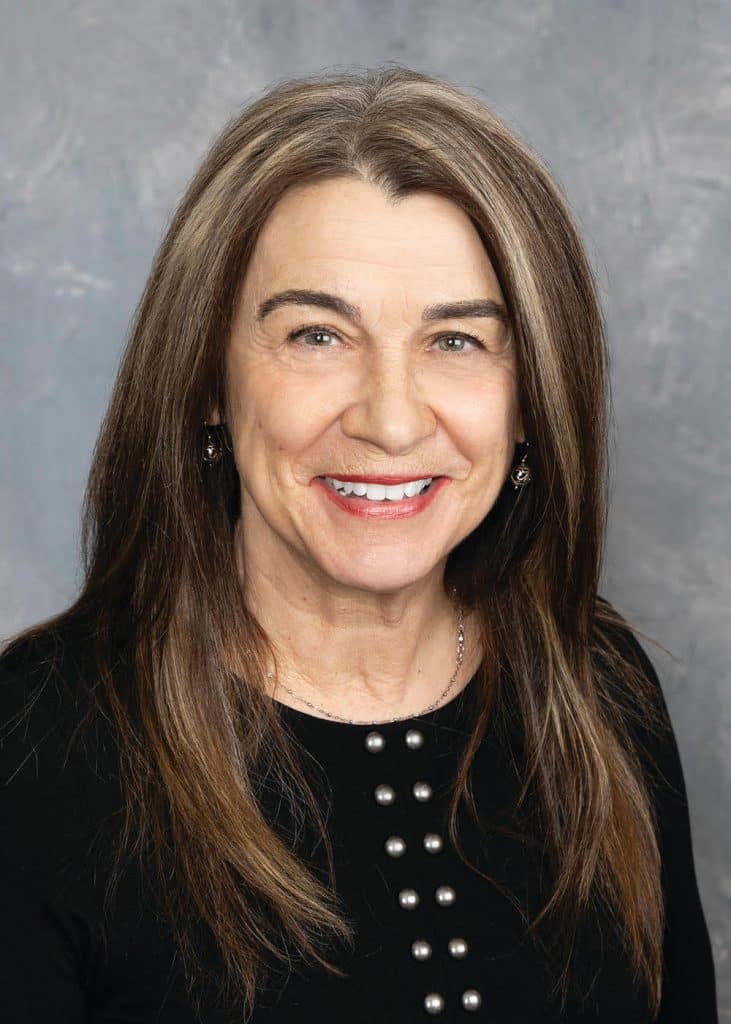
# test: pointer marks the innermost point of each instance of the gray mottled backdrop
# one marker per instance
(107, 109)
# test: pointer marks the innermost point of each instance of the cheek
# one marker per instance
(281, 419)
(483, 419)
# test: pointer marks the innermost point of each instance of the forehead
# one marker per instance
(348, 232)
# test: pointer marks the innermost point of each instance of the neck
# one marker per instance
(358, 653)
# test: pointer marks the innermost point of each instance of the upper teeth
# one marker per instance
(379, 492)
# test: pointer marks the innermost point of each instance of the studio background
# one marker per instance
(106, 112)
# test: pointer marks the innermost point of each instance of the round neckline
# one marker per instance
(436, 716)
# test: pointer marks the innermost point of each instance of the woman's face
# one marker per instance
(375, 382)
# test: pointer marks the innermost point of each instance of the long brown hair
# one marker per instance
(179, 661)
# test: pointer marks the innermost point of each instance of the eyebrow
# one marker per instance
(440, 311)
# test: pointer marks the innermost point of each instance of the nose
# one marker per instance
(389, 410)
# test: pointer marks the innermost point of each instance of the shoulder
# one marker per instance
(626, 672)
(612, 628)
(43, 695)
(57, 772)
(630, 688)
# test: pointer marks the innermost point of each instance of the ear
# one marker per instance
(214, 417)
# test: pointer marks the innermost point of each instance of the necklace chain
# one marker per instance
(402, 718)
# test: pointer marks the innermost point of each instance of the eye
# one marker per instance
(459, 337)
(310, 331)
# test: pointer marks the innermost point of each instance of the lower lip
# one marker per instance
(384, 509)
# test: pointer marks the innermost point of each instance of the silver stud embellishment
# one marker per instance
(445, 895)
(414, 739)
(471, 999)
(408, 899)
(384, 794)
(458, 948)
(375, 742)
(433, 843)
(433, 1003)
(420, 949)
(395, 846)
(422, 791)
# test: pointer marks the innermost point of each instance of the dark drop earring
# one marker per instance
(213, 443)
(521, 473)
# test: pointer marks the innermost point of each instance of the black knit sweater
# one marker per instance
(434, 938)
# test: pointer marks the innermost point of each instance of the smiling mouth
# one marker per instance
(380, 492)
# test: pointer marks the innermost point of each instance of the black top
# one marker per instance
(431, 932)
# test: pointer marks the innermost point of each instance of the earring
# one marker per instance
(213, 444)
(521, 473)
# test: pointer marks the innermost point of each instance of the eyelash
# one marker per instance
(306, 329)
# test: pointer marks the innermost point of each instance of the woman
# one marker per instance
(339, 727)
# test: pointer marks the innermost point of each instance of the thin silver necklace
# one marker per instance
(402, 718)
